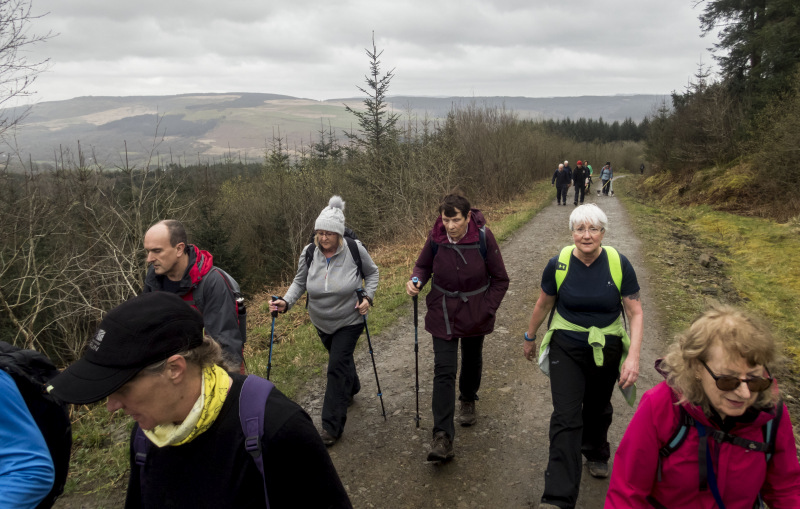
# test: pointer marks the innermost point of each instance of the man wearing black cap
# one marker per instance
(149, 357)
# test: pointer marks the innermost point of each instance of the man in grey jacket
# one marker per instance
(186, 270)
(331, 281)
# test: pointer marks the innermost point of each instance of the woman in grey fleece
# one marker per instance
(331, 282)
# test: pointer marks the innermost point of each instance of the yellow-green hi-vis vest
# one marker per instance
(596, 335)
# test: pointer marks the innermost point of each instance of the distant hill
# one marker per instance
(191, 127)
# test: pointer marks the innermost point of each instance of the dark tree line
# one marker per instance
(591, 130)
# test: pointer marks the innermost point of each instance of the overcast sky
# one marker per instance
(315, 48)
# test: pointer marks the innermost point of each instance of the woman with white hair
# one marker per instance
(585, 351)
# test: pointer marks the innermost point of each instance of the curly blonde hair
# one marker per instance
(739, 334)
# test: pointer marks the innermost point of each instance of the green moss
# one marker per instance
(757, 255)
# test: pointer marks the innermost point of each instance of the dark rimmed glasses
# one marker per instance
(731, 383)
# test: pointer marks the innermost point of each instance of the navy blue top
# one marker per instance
(588, 296)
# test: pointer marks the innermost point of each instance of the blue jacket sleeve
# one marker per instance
(26, 469)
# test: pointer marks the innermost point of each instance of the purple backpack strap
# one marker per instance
(252, 401)
(140, 447)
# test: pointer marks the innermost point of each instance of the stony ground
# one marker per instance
(500, 461)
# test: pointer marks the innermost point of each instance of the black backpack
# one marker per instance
(32, 372)
(233, 286)
(769, 432)
(349, 239)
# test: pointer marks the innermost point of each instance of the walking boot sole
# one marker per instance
(435, 458)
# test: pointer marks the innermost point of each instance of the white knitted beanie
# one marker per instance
(331, 219)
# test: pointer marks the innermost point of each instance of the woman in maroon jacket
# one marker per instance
(469, 282)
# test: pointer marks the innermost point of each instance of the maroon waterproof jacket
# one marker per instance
(473, 288)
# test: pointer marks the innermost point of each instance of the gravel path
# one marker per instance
(500, 461)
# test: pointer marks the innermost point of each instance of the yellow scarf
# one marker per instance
(216, 384)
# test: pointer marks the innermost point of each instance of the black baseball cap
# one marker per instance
(137, 333)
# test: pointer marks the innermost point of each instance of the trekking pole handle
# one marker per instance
(274, 313)
(360, 293)
(415, 281)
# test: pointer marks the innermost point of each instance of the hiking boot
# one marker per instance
(441, 447)
(467, 416)
(327, 438)
(598, 469)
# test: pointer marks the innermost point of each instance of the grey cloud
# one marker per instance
(315, 48)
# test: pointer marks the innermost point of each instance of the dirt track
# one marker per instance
(500, 461)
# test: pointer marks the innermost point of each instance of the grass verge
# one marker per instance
(99, 463)
(753, 269)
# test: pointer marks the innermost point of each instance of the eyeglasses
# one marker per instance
(592, 231)
(326, 234)
(731, 383)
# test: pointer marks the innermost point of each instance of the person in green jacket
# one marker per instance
(586, 350)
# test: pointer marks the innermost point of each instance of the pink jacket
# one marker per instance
(741, 474)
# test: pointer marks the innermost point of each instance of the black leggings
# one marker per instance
(581, 413)
(342, 377)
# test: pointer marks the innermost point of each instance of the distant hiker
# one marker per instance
(26, 467)
(468, 284)
(203, 437)
(189, 272)
(568, 170)
(715, 433)
(586, 350)
(579, 176)
(331, 279)
(589, 177)
(641, 169)
(561, 180)
(606, 175)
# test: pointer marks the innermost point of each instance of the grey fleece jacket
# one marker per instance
(332, 287)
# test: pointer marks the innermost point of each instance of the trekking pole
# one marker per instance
(415, 280)
(272, 338)
(360, 293)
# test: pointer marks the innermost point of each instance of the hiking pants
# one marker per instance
(561, 193)
(581, 413)
(445, 364)
(579, 190)
(606, 186)
(342, 377)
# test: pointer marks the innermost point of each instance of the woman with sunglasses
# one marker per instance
(714, 434)
(586, 350)
(331, 280)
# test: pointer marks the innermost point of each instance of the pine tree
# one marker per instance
(378, 127)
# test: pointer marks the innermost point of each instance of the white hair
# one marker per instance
(588, 215)
(560, 165)
(566, 162)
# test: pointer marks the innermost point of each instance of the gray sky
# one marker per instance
(315, 48)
